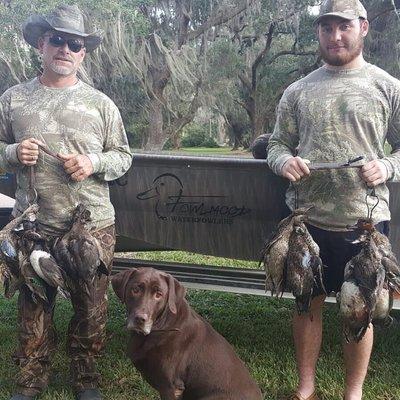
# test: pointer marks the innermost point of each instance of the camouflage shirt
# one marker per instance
(76, 119)
(334, 116)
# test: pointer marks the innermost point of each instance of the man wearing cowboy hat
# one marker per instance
(345, 108)
(84, 127)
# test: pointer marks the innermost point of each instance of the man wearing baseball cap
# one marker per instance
(344, 109)
(58, 111)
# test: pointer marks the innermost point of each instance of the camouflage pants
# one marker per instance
(86, 331)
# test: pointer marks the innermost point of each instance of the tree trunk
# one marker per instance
(176, 141)
(221, 131)
(156, 137)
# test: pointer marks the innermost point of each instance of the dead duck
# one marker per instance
(303, 266)
(42, 262)
(79, 252)
(9, 237)
(365, 227)
(362, 291)
(275, 250)
(353, 310)
(9, 249)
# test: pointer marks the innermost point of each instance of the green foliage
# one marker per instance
(136, 132)
(124, 66)
(196, 135)
(381, 44)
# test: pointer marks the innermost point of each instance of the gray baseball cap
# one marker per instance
(346, 9)
(64, 19)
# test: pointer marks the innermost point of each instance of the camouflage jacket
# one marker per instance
(334, 116)
(76, 119)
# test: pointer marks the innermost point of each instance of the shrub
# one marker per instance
(196, 135)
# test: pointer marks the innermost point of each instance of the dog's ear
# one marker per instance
(119, 282)
(176, 293)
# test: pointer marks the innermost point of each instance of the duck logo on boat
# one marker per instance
(173, 204)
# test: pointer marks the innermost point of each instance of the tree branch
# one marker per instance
(220, 17)
(243, 104)
(183, 23)
(384, 7)
(245, 81)
(291, 52)
(261, 56)
(178, 123)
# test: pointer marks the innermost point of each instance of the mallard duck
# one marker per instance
(79, 252)
(363, 287)
(275, 250)
(303, 266)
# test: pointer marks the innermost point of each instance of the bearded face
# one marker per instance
(60, 59)
(341, 41)
(342, 54)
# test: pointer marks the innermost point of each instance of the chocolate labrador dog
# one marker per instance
(175, 349)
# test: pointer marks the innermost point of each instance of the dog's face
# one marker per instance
(148, 295)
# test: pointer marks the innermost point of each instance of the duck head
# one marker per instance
(81, 214)
(299, 228)
(363, 225)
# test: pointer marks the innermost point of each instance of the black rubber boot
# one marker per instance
(89, 394)
(21, 397)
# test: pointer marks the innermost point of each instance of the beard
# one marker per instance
(62, 70)
(338, 60)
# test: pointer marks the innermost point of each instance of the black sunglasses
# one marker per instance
(75, 45)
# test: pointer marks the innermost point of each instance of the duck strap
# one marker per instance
(50, 153)
(31, 195)
(32, 192)
(371, 194)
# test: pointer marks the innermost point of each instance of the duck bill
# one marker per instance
(148, 194)
(352, 227)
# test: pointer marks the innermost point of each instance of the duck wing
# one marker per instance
(9, 255)
(90, 254)
(384, 304)
(35, 284)
(11, 282)
(300, 277)
(64, 258)
(273, 256)
(353, 310)
(392, 273)
(8, 249)
(274, 263)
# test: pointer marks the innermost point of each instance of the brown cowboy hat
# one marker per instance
(64, 19)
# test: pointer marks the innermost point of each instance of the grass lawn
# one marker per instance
(223, 151)
(258, 328)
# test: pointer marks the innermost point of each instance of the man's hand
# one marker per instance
(28, 151)
(78, 166)
(374, 173)
(295, 168)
